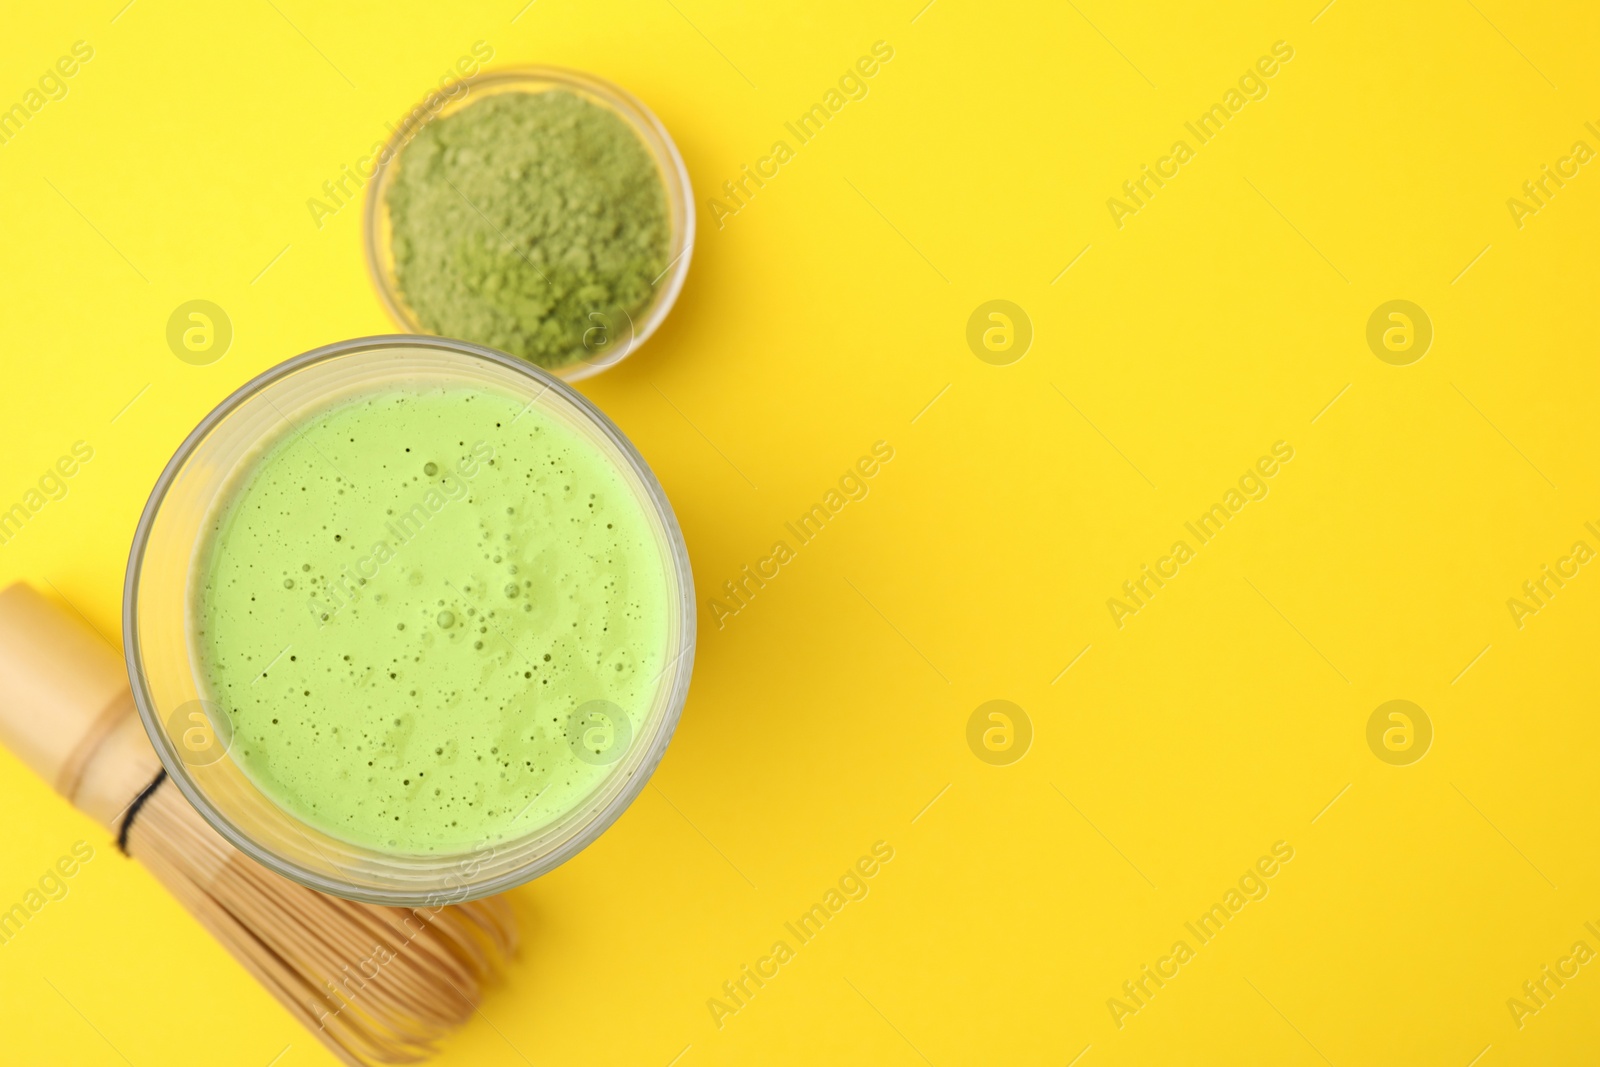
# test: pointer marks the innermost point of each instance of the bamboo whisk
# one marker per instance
(374, 984)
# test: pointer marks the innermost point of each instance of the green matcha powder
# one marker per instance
(525, 221)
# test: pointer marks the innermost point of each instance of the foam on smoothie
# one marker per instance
(405, 600)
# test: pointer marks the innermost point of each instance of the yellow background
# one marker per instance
(1221, 318)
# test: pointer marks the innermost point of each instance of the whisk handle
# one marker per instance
(65, 706)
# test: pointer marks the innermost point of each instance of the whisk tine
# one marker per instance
(377, 985)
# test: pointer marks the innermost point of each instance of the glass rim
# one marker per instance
(376, 235)
(468, 888)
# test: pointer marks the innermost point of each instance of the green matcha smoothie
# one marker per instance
(435, 616)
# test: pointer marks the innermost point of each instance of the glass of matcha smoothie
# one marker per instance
(408, 620)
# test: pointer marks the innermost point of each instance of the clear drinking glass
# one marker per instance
(158, 606)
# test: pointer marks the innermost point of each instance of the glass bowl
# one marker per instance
(622, 331)
(191, 734)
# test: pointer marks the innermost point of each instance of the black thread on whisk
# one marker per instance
(133, 810)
